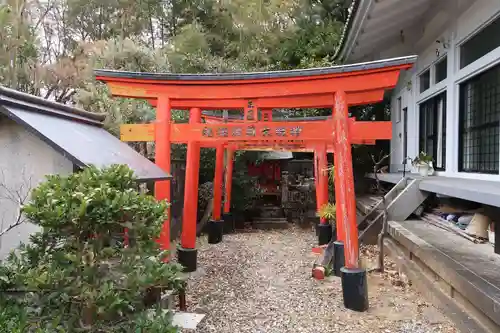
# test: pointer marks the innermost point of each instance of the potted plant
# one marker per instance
(423, 163)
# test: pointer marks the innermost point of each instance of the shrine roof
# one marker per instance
(339, 69)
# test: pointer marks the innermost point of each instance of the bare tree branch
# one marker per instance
(383, 232)
(18, 196)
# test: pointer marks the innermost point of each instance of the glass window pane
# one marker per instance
(433, 129)
(425, 80)
(481, 43)
(479, 123)
(441, 71)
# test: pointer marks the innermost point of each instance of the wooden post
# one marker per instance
(228, 180)
(316, 180)
(217, 186)
(162, 159)
(216, 225)
(322, 179)
(267, 114)
(354, 281)
(324, 228)
(346, 200)
(187, 252)
(339, 221)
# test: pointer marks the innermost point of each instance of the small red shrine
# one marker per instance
(256, 95)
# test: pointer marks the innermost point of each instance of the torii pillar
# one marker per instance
(187, 253)
(228, 183)
(354, 280)
(216, 224)
(324, 227)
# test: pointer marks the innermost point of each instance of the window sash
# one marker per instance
(433, 129)
(479, 123)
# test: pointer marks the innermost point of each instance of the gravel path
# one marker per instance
(261, 282)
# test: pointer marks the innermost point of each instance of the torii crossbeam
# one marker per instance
(255, 95)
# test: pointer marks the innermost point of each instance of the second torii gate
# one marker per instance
(333, 87)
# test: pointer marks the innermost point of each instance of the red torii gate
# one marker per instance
(335, 87)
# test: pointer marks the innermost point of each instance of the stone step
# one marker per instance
(268, 224)
(271, 219)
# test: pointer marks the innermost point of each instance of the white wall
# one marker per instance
(455, 31)
(24, 162)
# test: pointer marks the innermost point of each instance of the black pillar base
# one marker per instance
(324, 234)
(228, 219)
(338, 257)
(215, 231)
(187, 258)
(355, 289)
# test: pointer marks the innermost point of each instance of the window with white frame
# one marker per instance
(479, 111)
(441, 70)
(433, 129)
(480, 44)
(424, 80)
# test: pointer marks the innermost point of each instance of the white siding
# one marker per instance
(454, 32)
(24, 162)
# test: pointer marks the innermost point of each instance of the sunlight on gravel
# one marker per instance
(261, 282)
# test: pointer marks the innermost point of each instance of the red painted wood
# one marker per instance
(323, 178)
(339, 212)
(189, 213)
(338, 89)
(296, 101)
(383, 78)
(217, 186)
(229, 180)
(346, 199)
(316, 180)
(162, 158)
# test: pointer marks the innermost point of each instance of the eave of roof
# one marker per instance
(74, 133)
(223, 78)
(339, 53)
(40, 105)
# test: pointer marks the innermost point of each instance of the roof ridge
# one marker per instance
(39, 104)
(109, 74)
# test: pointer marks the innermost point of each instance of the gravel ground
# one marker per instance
(261, 282)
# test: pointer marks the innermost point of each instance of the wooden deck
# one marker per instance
(464, 277)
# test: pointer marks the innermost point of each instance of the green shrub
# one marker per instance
(77, 273)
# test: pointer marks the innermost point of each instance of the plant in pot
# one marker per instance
(329, 210)
(78, 274)
(423, 163)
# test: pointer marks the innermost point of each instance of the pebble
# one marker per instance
(260, 281)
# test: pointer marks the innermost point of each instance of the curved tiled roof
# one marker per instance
(338, 69)
(352, 12)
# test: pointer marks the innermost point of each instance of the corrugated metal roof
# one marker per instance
(74, 133)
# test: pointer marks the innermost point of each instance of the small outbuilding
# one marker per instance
(40, 137)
